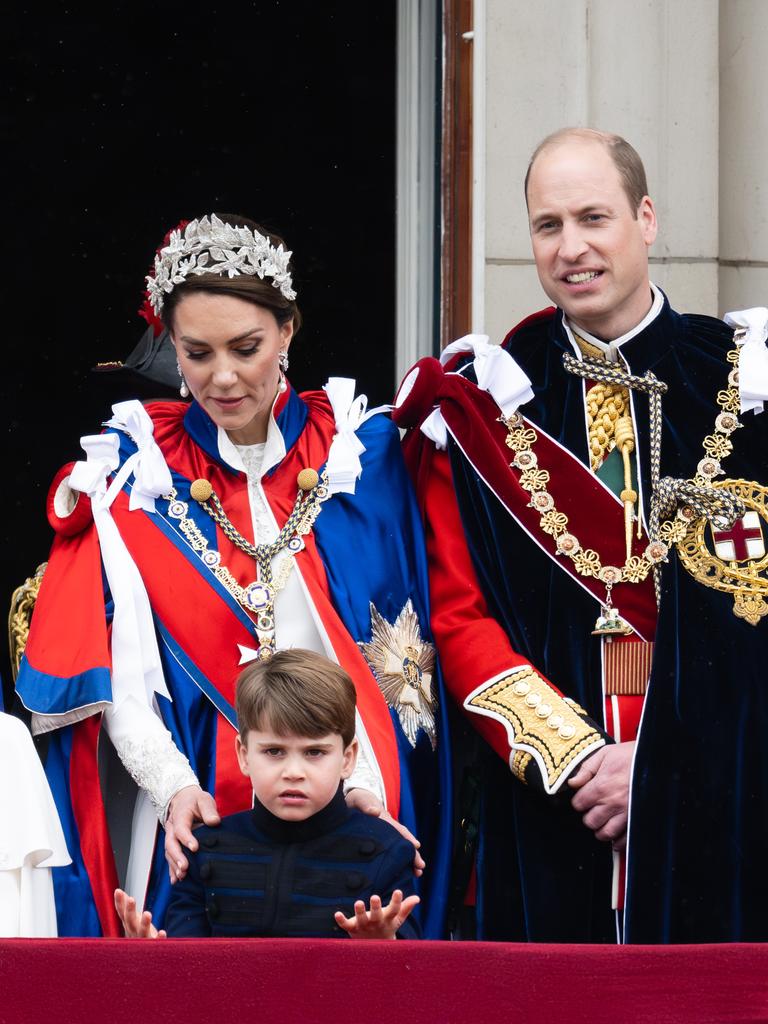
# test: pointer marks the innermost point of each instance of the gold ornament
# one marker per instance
(744, 577)
(200, 490)
(307, 479)
(404, 665)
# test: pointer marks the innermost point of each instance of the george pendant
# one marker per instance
(610, 623)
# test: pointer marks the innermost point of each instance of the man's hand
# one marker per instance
(135, 925)
(367, 802)
(602, 797)
(378, 922)
(189, 805)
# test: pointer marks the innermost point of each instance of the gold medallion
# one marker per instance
(732, 560)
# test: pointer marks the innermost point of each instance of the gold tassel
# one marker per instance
(625, 442)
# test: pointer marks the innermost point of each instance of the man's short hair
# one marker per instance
(298, 693)
(625, 157)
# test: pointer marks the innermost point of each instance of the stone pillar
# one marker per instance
(743, 155)
(647, 70)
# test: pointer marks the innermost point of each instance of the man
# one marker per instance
(589, 567)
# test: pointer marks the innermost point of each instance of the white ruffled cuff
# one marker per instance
(157, 766)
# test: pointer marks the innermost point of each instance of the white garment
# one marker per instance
(31, 839)
(295, 625)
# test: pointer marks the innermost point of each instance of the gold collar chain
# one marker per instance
(258, 598)
(699, 499)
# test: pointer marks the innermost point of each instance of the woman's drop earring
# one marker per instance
(282, 362)
(183, 390)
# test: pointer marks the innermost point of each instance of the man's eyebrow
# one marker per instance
(542, 218)
(230, 341)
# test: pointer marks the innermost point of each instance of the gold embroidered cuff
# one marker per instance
(543, 726)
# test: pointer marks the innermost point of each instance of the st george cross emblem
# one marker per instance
(743, 542)
(736, 562)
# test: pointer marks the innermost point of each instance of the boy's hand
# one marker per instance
(378, 922)
(188, 806)
(136, 925)
(367, 802)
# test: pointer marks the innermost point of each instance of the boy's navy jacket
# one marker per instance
(257, 875)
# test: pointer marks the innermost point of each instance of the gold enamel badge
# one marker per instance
(735, 560)
(403, 665)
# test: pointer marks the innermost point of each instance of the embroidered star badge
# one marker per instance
(403, 665)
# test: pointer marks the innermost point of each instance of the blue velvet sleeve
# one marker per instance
(396, 872)
(186, 916)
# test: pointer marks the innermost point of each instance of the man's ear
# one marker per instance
(350, 759)
(646, 214)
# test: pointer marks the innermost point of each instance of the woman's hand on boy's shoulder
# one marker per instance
(135, 925)
(379, 922)
(190, 806)
(367, 802)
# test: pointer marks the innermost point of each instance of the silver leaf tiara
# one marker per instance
(209, 246)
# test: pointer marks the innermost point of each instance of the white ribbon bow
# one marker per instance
(151, 474)
(343, 466)
(136, 668)
(496, 372)
(753, 358)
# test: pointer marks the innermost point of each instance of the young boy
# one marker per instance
(301, 863)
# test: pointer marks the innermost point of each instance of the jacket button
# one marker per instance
(212, 909)
(355, 880)
(367, 847)
(205, 870)
(209, 842)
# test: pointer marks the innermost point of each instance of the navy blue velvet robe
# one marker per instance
(698, 845)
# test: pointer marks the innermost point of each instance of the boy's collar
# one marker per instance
(326, 820)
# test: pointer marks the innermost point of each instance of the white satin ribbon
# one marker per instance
(136, 667)
(753, 358)
(434, 427)
(151, 474)
(496, 371)
(343, 466)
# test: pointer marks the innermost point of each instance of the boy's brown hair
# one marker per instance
(296, 692)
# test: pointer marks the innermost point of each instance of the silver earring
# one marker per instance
(282, 360)
(183, 390)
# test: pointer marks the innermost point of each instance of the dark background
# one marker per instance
(117, 125)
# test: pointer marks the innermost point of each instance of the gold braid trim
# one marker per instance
(540, 719)
(20, 616)
(606, 405)
(520, 763)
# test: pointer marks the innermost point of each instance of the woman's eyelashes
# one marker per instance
(197, 355)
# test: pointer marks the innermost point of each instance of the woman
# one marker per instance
(197, 536)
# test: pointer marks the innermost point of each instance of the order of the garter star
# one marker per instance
(403, 665)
